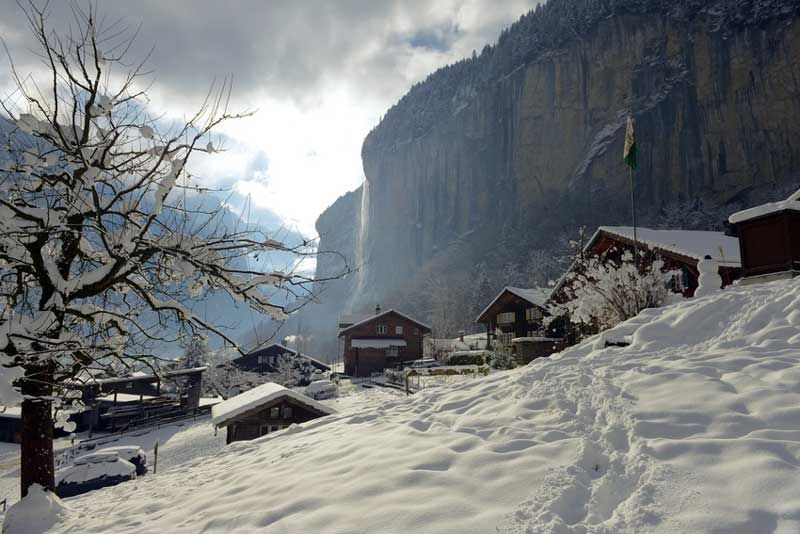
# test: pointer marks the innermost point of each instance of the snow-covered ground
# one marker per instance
(694, 427)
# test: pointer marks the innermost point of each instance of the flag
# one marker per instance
(629, 155)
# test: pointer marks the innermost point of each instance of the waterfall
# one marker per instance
(360, 260)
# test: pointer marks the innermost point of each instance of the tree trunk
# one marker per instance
(37, 429)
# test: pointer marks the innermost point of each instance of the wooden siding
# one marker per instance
(770, 244)
(508, 302)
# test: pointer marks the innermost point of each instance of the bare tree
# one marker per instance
(101, 251)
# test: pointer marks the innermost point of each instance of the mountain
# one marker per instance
(515, 148)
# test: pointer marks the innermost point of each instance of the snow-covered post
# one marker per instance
(99, 258)
(709, 281)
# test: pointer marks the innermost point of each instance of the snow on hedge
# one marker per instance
(693, 427)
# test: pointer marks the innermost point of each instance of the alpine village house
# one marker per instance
(386, 339)
(265, 409)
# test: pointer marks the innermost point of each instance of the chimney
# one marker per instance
(377, 309)
(461, 335)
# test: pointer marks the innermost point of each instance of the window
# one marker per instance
(532, 314)
(416, 331)
(262, 359)
(381, 329)
(398, 330)
(275, 412)
(391, 352)
(680, 281)
(287, 412)
(505, 339)
(128, 385)
(506, 318)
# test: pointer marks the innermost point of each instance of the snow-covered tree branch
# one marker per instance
(103, 241)
(602, 291)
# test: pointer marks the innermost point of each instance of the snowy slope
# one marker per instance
(695, 427)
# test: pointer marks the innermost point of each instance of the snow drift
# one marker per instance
(693, 427)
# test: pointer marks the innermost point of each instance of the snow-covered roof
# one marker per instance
(11, 412)
(210, 401)
(124, 397)
(286, 349)
(536, 295)
(353, 318)
(535, 339)
(377, 343)
(692, 243)
(140, 376)
(791, 203)
(381, 314)
(224, 412)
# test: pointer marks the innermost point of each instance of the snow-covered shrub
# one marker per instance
(502, 358)
(603, 291)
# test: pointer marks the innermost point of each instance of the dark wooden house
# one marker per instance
(515, 313)
(769, 240)
(116, 402)
(265, 360)
(679, 250)
(10, 424)
(387, 339)
(267, 408)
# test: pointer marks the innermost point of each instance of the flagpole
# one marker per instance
(633, 212)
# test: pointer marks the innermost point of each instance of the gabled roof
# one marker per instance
(695, 244)
(225, 412)
(535, 296)
(791, 203)
(285, 350)
(381, 314)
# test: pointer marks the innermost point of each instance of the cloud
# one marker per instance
(320, 75)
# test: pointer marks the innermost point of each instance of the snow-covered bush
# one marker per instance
(602, 291)
(502, 358)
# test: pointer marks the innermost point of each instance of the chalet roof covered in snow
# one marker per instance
(791, 203)
(377, 343)
(691, 243)
(285, 350)
(224, 412)
(382, 314)
(536, 296)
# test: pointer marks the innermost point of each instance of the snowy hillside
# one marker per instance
(694, 427)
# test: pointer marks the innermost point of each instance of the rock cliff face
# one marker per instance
(526, 139)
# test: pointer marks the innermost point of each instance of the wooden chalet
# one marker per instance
(265, 360)
(386, 339)
(136, 399)
(769, 240)
(680, 250)
(515, 313)
(265, 409)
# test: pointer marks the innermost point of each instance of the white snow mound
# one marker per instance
(34, 514)
(694, 427)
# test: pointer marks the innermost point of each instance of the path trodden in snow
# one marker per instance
(694, 427)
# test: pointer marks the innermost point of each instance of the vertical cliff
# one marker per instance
(525, 139)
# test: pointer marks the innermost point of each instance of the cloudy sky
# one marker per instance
(319, 74)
